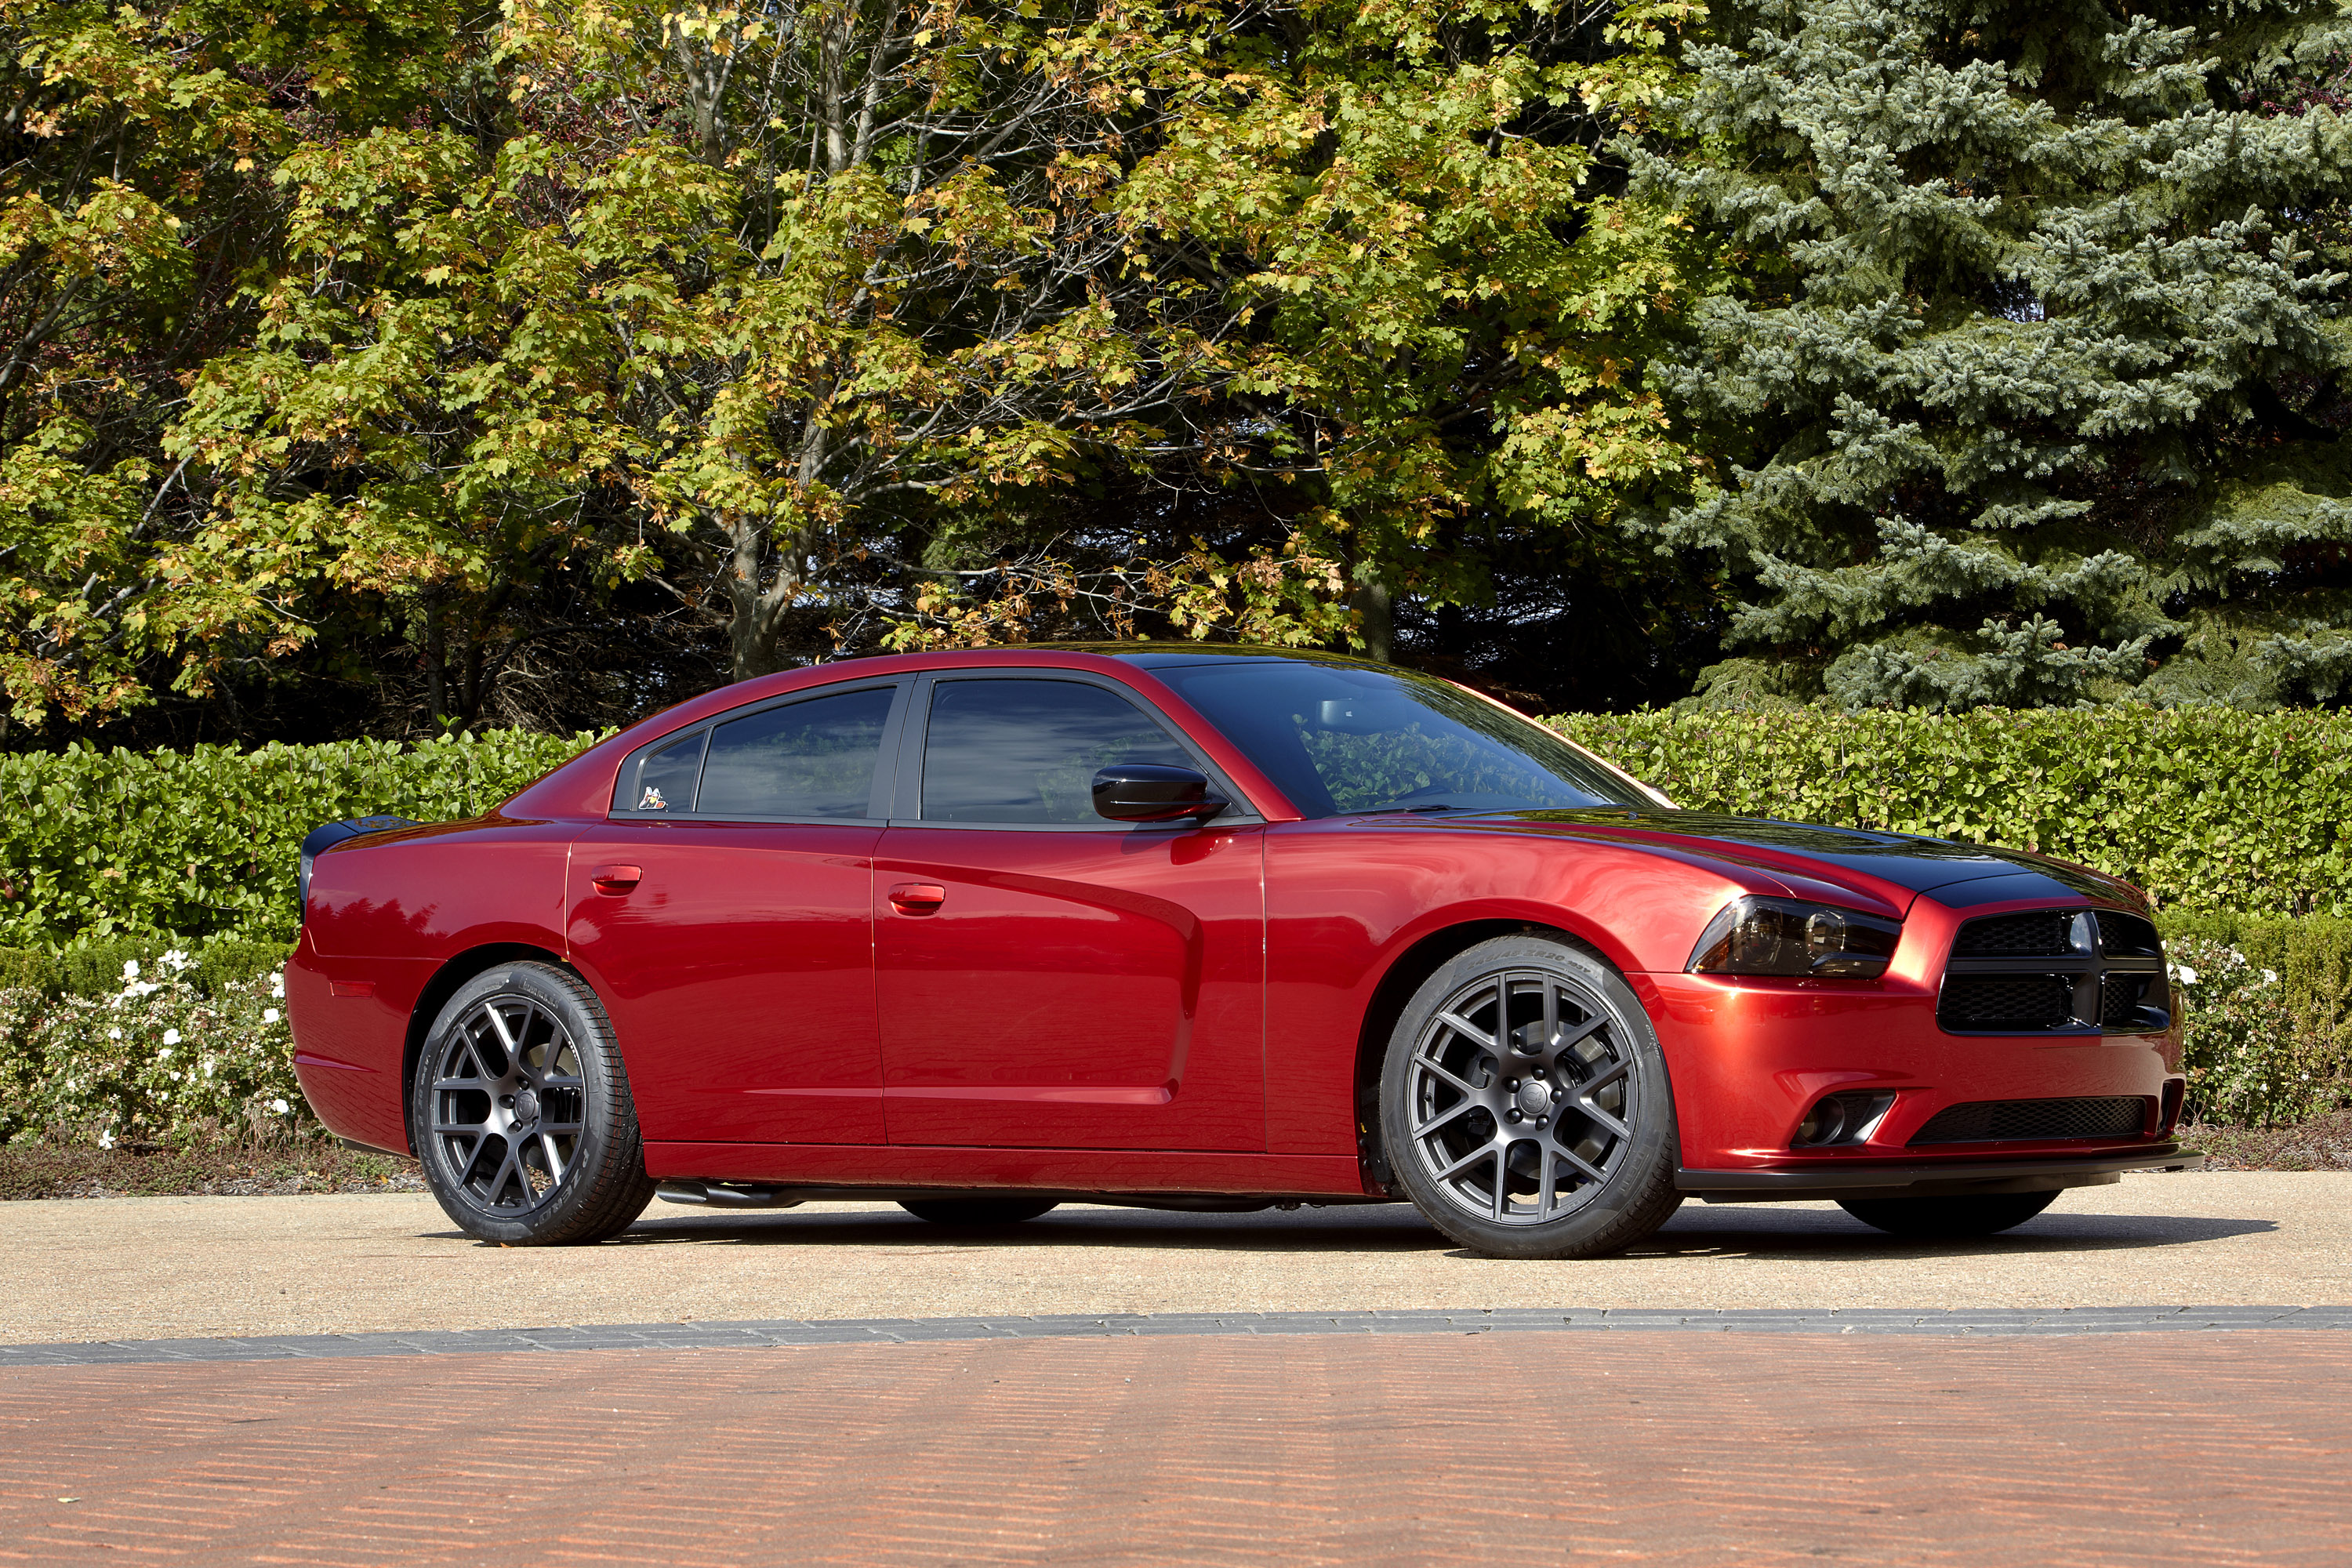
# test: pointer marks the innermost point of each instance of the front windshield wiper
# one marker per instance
(1392, 810)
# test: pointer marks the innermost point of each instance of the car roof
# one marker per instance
(1156, 655)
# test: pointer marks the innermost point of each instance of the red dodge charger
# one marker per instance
(1205, 928)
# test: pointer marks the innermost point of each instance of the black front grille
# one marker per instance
(2007, 1001)
(2036, 934)
(2119, 997)
(1998, 1120)
(2039, 971)
(2127, 936)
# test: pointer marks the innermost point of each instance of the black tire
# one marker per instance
(1551, 1136)
(1949, 1219)
(527, 1046)
(976, 1211)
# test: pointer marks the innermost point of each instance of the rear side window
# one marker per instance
(808, 759)
(1026, 751)
(811, 759)
(665, 780)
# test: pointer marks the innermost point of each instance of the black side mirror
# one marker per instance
(1139, 792)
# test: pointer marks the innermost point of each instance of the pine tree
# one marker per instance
(2032, 392)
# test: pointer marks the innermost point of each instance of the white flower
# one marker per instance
(169, 1034)
(2270, 976)
(175, 1077)
(2188, 976)
(269, 1014)
(131, 969)
(278, 983)
(279, 1106)
(171, 1037)
(106, 1140)
(114, 1034)
(174, 959)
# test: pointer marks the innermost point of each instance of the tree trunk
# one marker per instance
(1376, 617)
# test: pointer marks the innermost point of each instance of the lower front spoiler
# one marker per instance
(1892, 1181)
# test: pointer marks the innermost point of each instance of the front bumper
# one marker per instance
(1872, 1179)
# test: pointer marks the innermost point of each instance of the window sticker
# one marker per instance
(653, 801)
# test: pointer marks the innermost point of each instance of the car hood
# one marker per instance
(1886, 864)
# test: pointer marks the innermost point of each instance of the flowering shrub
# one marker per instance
(158, 1061)
(2257, 1053)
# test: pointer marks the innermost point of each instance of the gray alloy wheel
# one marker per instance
(520, 1111)
(976, 1211)
(1950, 1219)
(1525, 1107)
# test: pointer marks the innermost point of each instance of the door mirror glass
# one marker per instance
(1138, 791)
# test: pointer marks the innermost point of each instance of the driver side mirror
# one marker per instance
(1143, 792)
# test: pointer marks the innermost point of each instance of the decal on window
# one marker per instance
(653, 801)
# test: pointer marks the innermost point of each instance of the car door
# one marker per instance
(1048, 978)
(725, 912)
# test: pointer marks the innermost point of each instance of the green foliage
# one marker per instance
(101, 968)
(2031, 386)
(2205, 809)
(459, 335)
(2265, 1048)
(157, 1062)
(101, 850)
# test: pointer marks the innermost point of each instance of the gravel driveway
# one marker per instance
(162, 1268)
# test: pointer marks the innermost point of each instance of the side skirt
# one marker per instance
(882, 1169)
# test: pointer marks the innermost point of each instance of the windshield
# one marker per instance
(1340, 740)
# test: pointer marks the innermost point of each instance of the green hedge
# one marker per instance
(99, 846)
(100, 968)
(2205, 808)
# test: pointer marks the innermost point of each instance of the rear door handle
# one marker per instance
(917, 898)
(615, 879)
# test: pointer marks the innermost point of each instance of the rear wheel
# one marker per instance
(976, 1211)
(1524, 1104)
(520, 1112)
(1930, 1219)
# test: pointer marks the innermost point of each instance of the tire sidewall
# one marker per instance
(1624, 1202)
(601, 1120)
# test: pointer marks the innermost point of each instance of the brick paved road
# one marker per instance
(1701, 1449)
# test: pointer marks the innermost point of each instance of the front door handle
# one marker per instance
(917, 898)
(615, 879)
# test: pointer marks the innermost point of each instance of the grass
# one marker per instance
(49, 1171)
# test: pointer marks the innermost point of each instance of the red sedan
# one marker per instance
(1206, 928)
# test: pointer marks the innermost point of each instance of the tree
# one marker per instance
(2032, 392)
(762, 331)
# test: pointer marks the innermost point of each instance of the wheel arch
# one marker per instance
(1415, 962)
(460, 968)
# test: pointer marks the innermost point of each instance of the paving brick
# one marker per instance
(1702, 1449)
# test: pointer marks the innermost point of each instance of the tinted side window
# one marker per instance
(1026, 751)
(805, 759)
(665, 780)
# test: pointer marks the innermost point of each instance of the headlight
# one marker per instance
(1780, 936)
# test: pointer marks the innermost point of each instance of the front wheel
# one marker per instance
(1525, 1107)
(520, 1112)
(1949, 1219)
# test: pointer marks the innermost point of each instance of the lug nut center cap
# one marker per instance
(1534, 1098)
(526, 1107)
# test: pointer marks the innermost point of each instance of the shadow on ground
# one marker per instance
(1760, 1231)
